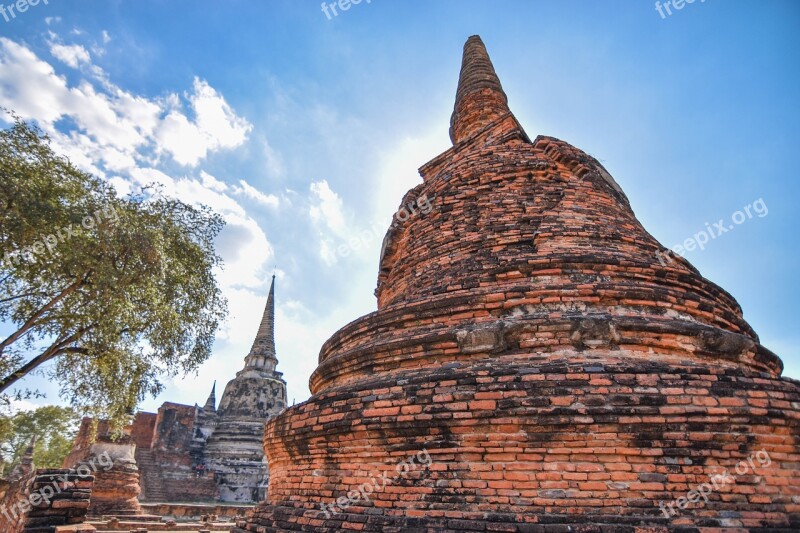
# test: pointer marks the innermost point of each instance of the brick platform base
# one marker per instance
(511, 446)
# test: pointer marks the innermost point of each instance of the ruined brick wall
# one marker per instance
(143, 430)
(152, 461)
(196, 511)
(69, 503)
(110, 459)
(86, 436)
(167, 469)
(33, 500)
(173, 428)
(558, 375)
(14, 492)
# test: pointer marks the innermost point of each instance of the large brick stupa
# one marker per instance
(533, 366)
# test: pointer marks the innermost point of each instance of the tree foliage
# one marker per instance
(54, 428)
(113, 293)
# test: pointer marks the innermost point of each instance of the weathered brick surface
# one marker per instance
(14, 491)
(167, 466)
(69, 504)
(186, 511)
(37, 501)
(557, 373)
(112, 464)
(525, 438)
(143, 429)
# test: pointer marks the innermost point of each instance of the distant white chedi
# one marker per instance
(234, 446)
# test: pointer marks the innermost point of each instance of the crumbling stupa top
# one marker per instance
(526, 231)
(480, 99)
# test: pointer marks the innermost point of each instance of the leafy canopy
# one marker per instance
(113, 292)
(54, 428)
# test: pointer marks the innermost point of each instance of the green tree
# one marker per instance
(54, 428)
(114, 292)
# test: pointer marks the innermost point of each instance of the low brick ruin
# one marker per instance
(532, 366)
(69, 505)
(116, 489)
(39, 501)
(110, 458)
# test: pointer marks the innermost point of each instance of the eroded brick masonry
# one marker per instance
(558, 375)
(39, 501)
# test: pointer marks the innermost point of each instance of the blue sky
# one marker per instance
(305, 131)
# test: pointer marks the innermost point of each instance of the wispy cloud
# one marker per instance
(248, 191)
(71, 55)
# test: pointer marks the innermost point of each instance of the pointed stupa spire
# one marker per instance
(480, 99)
(262, 354)
(27, 457)
(211, 403)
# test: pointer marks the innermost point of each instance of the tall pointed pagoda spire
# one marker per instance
(235, 451)
(262, 354)
(480, 99)
(211, 403)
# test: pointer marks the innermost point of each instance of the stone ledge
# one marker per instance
(77, 528)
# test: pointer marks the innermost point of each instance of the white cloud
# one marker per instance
(215, 118)
(212, 183)
(72, 55)
(181, 139)
(246, 251)
(17, 405)
(327, 213)
(106, 37)
(30, 86)
(398, 172)
(326, 208)
(248, 191)
(215, 126)
(115, 126)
